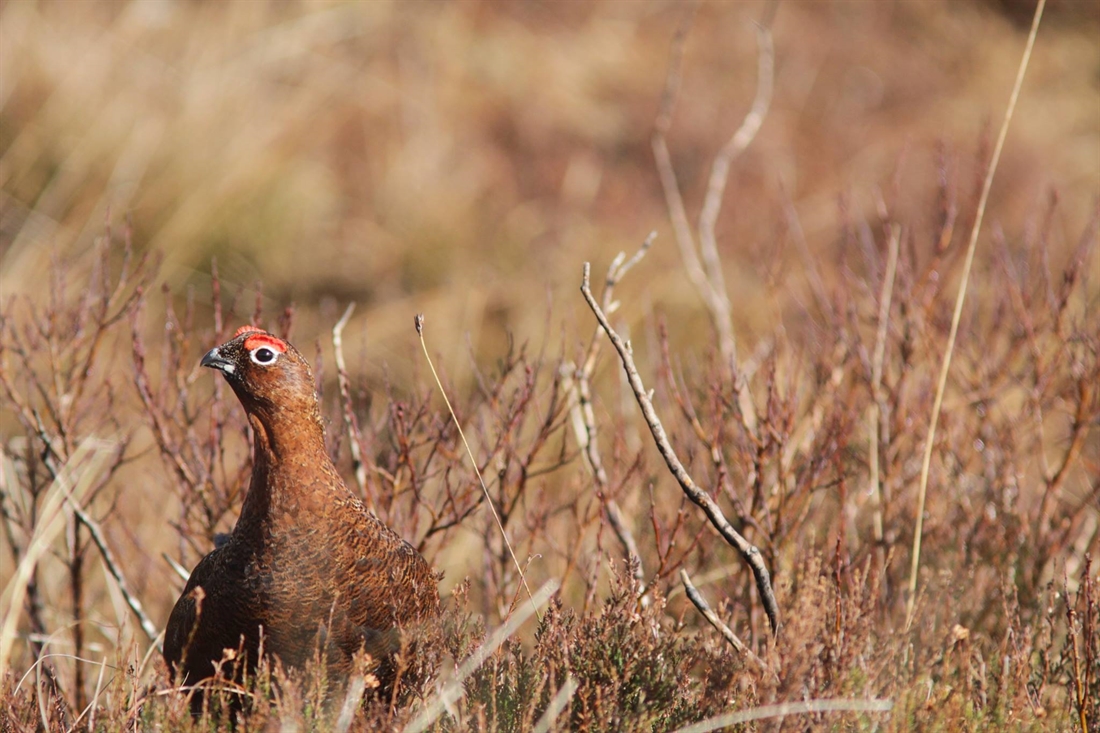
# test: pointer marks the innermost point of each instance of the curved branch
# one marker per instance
(749, 552)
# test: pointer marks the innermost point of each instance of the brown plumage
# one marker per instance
(307, 562)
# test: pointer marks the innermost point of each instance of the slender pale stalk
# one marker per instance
(922, 491)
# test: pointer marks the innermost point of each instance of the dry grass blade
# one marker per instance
(453, 689)
(470, 453)
(85, 465)
(351, 703)
(791, 708)
(90, 709)
(946, 365)
(350, 423)
(557, 704)
(94, 705)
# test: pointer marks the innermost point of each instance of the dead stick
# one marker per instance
(619, 267)
(708, 613)
(749, 553)
(109, 562)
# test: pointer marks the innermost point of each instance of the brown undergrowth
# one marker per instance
(1004, 631)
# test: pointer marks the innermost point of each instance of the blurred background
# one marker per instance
(463, 159)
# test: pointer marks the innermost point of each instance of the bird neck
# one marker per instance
(288, 454)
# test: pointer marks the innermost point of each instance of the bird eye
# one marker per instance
(263, 356)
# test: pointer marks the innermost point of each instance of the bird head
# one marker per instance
(270, 377)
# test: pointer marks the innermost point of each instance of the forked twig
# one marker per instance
(704, 267)
(720, 169)
(585, 420)
(749, 553)
(938, 403)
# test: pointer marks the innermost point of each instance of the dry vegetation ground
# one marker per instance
(170, 170)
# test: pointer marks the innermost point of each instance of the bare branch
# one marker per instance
(674, 201)
(109, 562)
(749, 553)
(587, 435)
(719, 176)
(708, 613)
(704, 268)
(585, 422)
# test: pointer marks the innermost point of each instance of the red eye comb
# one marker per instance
(264, 339)
(246, 329)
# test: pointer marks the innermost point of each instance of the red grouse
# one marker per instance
(307, 566)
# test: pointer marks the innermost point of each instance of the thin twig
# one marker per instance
(1085, 390)
(585, 421)
(878, 401)
(749, 553)
(708, 613)
(183, 573)
(813, 272)
(350, 423)
(109, 562)
(986, 185)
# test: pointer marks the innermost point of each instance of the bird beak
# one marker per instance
(215, 360)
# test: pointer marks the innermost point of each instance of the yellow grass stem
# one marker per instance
(988, 183)
(473, 462)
